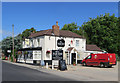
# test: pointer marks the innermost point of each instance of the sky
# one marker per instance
(42, 15)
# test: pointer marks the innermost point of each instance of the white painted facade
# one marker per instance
(49, 43)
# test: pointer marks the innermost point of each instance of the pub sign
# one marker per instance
(57, 54)
(60, 42)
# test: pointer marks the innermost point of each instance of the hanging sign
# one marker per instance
(9, 51)
(60, 42)
(27, 41)
(57, 54)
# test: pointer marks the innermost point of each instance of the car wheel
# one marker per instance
(84, 64)
(102, 65)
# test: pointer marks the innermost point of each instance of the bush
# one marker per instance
(3, 58)
(11, 58)
(117, 57)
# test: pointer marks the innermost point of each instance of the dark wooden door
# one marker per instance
(73, 59)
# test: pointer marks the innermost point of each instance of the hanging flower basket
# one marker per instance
(19, 52)
(48, 52)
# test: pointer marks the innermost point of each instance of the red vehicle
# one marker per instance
(102, 60)
(6, 58)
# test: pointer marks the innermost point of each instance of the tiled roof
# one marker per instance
(62, 33)
(92, 48)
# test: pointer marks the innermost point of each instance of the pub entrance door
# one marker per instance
(73, 59)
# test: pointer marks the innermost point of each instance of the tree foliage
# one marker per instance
(73, 27)
(7, 44)
(27, 32)
(104, 31)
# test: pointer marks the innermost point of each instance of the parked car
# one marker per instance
(102, 60)
(6, 58)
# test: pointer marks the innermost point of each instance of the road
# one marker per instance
(12, 72)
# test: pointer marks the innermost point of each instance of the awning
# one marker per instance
(27, 49)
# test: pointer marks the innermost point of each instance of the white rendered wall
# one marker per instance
(51, 44)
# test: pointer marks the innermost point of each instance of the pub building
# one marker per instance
(53, 44)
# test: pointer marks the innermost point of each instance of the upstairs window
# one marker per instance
(31, 42)
(77, 42)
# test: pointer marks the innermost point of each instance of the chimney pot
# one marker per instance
(57, 23)
(55, 29)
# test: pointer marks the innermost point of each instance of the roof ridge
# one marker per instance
(64, 33)
(46, 31)
(42, 30)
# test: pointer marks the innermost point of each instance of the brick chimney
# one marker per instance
(55, 29)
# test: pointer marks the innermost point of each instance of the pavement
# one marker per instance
(78, 73)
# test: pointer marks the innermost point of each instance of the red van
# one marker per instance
(102, 60)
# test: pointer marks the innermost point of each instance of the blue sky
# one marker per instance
(41, 16)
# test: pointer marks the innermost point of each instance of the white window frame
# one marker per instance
(77, 43)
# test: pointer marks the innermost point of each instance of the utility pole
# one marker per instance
(13, 40)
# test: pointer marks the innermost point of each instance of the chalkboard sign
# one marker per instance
(57, 54)
(60, 42)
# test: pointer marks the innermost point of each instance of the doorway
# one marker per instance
(73, 59)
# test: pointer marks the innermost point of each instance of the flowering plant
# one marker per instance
(19, 52)
(48, 52)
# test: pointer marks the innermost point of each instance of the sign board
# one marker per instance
(37, 55)
(57, 54)
(27, 41)
(60, 42)
(55, 63)
(9, 51)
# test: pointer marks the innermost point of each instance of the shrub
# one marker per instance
(11, 58)
(3, 58)
(117, 57)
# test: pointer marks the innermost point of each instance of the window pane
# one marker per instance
(77, 42)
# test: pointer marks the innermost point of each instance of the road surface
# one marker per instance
(12, 72)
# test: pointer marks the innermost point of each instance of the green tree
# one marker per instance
(73, 27)
(104, 32)
(27, 32)
(7, 44)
